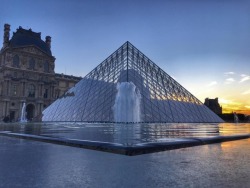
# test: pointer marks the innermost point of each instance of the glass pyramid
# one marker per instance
(162, 98)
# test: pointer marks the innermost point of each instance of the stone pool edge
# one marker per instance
(136, 149)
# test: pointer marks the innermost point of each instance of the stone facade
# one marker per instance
(27, 75)
(214, 105)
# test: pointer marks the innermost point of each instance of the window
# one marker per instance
(32, 64)
(14, 90)
(31, 90)
(45, 95)
(46, 66)
(16, 61)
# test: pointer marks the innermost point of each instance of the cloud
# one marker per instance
(229, 80)
(212, 83)
(224, 101)
(246, 92)
(230, 105)
(229, 73)
(228, 102)
(244, 78)
(247, 107)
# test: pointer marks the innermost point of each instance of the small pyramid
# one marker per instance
(162, 99)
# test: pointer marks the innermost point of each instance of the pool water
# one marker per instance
(127, 134)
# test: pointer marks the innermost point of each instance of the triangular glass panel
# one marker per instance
(161, 98)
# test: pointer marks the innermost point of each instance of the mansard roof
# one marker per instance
(23, 37)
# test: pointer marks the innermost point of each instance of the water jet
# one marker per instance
(127, 103)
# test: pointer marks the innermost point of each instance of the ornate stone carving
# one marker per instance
(8, 57)
(33, 50)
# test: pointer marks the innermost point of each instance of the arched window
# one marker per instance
(46, 66)
(31, 90)
(16, 61)
(32, 64)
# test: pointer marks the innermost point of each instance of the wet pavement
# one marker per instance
(26, 163)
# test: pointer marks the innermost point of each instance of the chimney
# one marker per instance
(6, 35)
(48, 41)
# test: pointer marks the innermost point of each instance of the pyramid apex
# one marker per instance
(127, 43)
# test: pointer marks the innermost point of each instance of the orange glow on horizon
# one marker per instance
(229, 111)
(239, 106)
(237, 110)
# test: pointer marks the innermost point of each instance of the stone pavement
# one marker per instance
(25, 163)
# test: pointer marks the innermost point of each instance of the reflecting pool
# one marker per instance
(127, 134)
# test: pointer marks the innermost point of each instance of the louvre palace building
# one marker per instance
(27, 75)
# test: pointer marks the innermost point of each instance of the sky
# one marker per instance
(204, 45)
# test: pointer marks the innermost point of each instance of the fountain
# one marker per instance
(127, 103)
(236, 118)
(23, 114)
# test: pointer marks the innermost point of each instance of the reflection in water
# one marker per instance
(156, 132)
(127, 134)
(233, 129)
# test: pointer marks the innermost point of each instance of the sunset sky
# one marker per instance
(204, 45)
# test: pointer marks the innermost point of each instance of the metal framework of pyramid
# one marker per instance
(162, 98)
